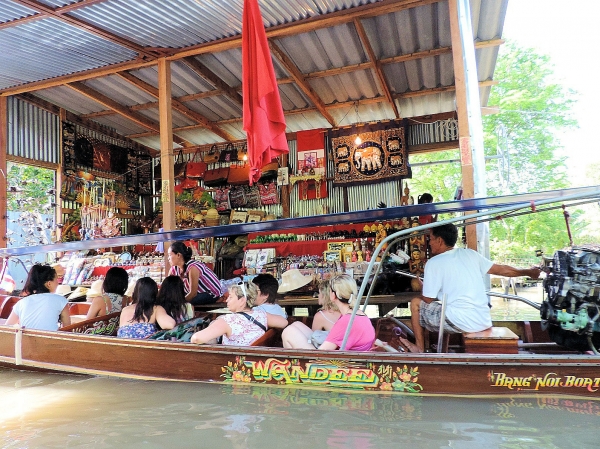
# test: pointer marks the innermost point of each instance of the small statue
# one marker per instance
(359, 256)
(368, 255)
(406, 199)
(354, 256)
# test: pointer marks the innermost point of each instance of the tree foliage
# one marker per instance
(28, 188)
(533, 110)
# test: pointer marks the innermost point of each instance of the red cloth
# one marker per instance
(263, 117)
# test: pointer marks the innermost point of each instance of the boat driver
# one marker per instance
(459, 274)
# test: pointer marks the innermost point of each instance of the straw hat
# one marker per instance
(77, 293)
(293, 279)
(63, 290)
(95, 289)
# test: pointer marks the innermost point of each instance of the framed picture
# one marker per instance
(340, 246)
(253, 218)
(238, 217)
(332, 256)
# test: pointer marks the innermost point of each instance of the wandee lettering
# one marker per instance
(551, 380)
(312, 373)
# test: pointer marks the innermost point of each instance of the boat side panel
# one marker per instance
(405, 373)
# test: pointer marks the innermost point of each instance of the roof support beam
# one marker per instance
(121, 110)
(61, 14)
(177, 105)
(301, 81)
(362, 34)
(200, 69)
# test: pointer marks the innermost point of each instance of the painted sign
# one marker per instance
(331, 373)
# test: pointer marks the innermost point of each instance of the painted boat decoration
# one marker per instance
(530, 364)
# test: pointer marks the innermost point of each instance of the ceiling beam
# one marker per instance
(341, 105)
(362, 34)
(201, 69)
(61, 14)
(177, 105)
(298, 77)
(122, 110)
(306, 25)
(313, 75)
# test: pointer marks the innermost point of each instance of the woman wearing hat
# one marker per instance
(202, 286)
(41, 308)
(107, 295)
(244, 325)
(362, 334)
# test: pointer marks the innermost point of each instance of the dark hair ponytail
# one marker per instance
(37, 278)
(425, 198)
(181, 248)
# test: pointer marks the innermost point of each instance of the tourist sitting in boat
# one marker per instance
(171, 296)
(244, 325)
(140, 319)
(362, 334)
(41, 308)
(326, 316)
(266, 296)
(457, 273)
(202, 286)
(109, 297)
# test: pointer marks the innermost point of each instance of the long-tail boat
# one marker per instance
(556, 355)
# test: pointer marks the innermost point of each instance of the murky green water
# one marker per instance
(60, 411)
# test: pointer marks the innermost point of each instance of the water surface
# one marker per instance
(64, 411)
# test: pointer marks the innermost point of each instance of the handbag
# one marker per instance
(183, 332)
(269, 171)
(238, 174)
(188, 184)
(229, 154)
(317, 338)
(212, 156)
(252, 197)
(216, 176)
(179, 166)
(222, 199)
(268, 193)
(195, 168)
(237, 197)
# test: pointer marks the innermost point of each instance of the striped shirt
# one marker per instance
(208, 282)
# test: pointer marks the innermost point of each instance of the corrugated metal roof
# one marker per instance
(330, 55)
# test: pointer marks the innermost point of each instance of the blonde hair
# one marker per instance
(250, 292)
(325, 290)
(344, 287)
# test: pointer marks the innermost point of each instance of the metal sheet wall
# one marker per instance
(33, 133)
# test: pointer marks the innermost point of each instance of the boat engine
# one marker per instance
(571, 310)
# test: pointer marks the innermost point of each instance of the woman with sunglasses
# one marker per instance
(41, 308)
(362, 334)
(244, 325)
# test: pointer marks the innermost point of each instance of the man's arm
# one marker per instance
(508, 271)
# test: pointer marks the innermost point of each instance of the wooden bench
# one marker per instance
(6, 305)
(269, 338)
(495, 340)
(102, 325)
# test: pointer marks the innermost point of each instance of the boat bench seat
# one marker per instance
(270, 338)
(495, 340)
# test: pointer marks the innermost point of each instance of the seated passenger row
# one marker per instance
(253, 308)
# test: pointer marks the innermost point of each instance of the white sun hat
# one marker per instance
(293, 279)
(63, 290)
(96, 289)
(79, 292)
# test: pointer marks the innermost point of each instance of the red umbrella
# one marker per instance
(264, 121)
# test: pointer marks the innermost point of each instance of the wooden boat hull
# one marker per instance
(455, 374)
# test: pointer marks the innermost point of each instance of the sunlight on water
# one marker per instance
(94, 412)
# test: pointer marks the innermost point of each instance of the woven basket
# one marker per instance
(211, 221)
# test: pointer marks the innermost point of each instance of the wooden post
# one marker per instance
(468, 106)
(166, 149)
(3, 180)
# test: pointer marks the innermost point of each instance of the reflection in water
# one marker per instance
(48, 411)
